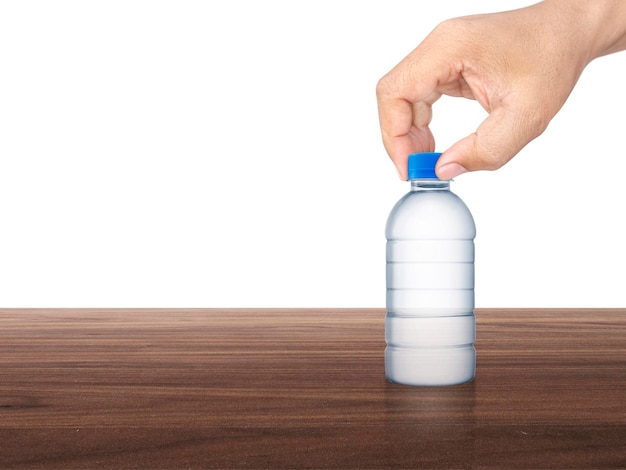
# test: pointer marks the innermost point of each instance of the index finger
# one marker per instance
(404, 128)
(405, 97)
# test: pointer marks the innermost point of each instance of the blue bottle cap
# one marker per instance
(422, 165)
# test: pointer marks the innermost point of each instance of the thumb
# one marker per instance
(496, 141)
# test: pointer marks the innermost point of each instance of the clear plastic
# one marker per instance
(430, 327)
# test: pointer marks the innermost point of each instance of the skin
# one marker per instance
(519, 65)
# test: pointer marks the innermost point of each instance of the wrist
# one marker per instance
(613, 26)
(598, 25)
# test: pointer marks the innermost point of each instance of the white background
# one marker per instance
(227, 154)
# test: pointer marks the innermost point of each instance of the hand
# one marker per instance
(520, 65)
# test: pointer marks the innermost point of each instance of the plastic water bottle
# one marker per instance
(430, 327)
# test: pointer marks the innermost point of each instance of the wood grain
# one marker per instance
(256, 388)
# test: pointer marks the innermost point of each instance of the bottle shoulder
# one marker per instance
(430, 215)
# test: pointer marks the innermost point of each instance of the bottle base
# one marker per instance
(430, 367)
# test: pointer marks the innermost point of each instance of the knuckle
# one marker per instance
(450, 27)
(537, 121)
(490, 160)
(382, 86)
(491, 155)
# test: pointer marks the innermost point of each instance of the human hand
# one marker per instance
(520, 65)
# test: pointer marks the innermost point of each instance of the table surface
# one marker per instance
(258, 388)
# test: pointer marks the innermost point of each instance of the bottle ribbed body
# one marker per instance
(430, 324)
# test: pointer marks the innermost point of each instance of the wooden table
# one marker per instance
(260, 388)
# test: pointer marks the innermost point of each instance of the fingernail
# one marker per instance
(450, 170)
(400, 175)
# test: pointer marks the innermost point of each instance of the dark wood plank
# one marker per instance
(216, 388)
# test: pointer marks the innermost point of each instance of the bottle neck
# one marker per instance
(429, 184)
